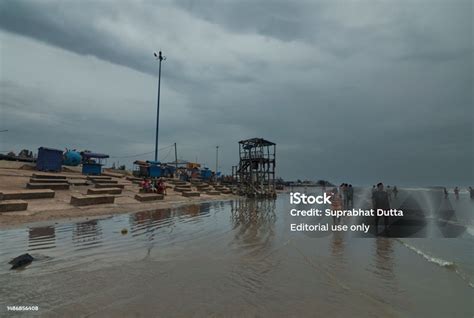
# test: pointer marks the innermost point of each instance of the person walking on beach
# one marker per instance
(345, 194)
(372, 194)
(471, 192)
(350, 195)
(456, 193)
(445, 193)
(336, 203)
(395, 192)
(381, 202)
(389, 193)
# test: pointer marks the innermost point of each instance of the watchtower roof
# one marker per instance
(253, 142)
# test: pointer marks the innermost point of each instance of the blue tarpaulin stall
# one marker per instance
(49, 159)
(206, 174)
(168, 171)
(154, 169)
(91, 163)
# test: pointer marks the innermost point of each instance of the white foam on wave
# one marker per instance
(429, 258)
(470, 230)
(438, 261)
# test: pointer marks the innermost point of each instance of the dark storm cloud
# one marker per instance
(70, 26)
(280, 19)
(367, 90)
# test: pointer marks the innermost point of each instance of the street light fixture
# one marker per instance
(160, 58)
(217, 158)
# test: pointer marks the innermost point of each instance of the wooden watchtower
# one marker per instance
(256, 170)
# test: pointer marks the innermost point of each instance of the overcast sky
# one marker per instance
(355, 91)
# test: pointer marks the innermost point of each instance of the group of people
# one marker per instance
(153, 186)
(347, 194)
(390, 191)
(456, 192)
(342, 197)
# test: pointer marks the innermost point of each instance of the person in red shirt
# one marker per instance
(145, 185)
(161, 187)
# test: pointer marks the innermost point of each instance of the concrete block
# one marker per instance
(78, 200)
(179, 189)
(103, 181)
(41, 180)
(105, 191)
(109, 185)
(13, 205)
(78, 182)
(191, 194)
(28, 194)
(52, 186)
(142, 197)
(99, 177)
(48, 176)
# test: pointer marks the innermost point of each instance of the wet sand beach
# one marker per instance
(235, 259)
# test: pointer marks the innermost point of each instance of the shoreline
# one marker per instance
(77, 214)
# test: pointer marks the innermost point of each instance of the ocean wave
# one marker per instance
(470, 230)
(439, 261)
(429, 258)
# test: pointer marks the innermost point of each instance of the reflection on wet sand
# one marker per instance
(87, 233)
(337, 245)
(149, 219)
(43, 237)
(165, 217)
(254, 225)
(384, 258)
(338, 259)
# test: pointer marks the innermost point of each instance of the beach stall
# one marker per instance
(206, 174)
(49, 159)
(168, 171)
(147, 169)
(193, 165)
(92, 163)
(140, 168)
(154, 169)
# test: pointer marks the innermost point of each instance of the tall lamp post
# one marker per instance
(217, 158)
(160, 58)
